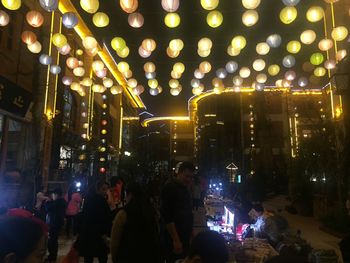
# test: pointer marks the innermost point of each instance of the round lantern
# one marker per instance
(175, 75)
(154, 92)
(149, 44)
(250, 18)
(196, 91)
(273, 70)
(89, 42)
(233, 51)
(129, 6)
(221, 73)
(195, 83)
(55, 69)
(239, 42)
(291, 2)
(339, 33)
(250, 4)
(116, 89)
(198, 74)
(136, 20)
(34, 18)
(290, 75)
(28, 37)
(316, 59)
(261, 78)
(64, 50)
(97, 65)
(237, 81)
(179, 67)
(288, 61)
(49, 5)
(214, 19)
(172, 20)
(150, 75)
(66, 80)
(205, 67)
(170, 5)
(205, 44)
(288, 14)
(45, 59)
(325, 44)
(35, 47)
(176, 91)
(341, 54)
(75, 86)
(79, 71)
(72, 62)
(320, 71)
(98, 88)
(127, 74)
(231, 66)
(107, 82)
(123, 53)
(308, 37)
(303, 82)
(118, 43)
(279, 83)
(330, 64)
(217, 82)
(149, 67)
(244, 72)
(209, 4)
(11, 4)
(123, 66)
(204, 53)
(4, 18)
(274, 40)
(69, 19)
(144, 53)
(259, 65)
(314, 14)
(87, 82)
(152, 83)
(90, 6)
(138, 90)
(59, 40)
(262, 48)
(293, 46)
(173, 83)
(308, 67)
(100, 19)
(132, 83)
(176, 44)
(219, 89)
(101, 73)
(172, 53)
(286, 83)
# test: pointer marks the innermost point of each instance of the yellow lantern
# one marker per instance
(293, 46)
(152, 83)
(100, 19)
(314, 14)
(79, 71)
(72, 62)
(209, 4)
(123, 66)
(244, 72)
(129, 6)
(59, 40)
(233, 51)
(250, 4)
(308, 37)
(173, 83)
(149, 67)
(172, 53)
(176, 44)
(34, 18)
(259, 65)
(203, 53)
(35, 47)
(132, 83)
(239, 42)
(87, 82)
(172, 20)
(90, 6)
(273, 70)
(214, 19)
(118, 43)
(116, 89)
(98, 88)
(339, 33)
(288, 14)
(325, 44)
(123, 53)
(320, 71)
(79, 52)
(97, 65)
(279, 83)
(175, 75)
(250, 18)
(261, 78)
(89, 42)
(179, 67)
(149, 44)
(75, 86)
(107, 82)
(205, 44)
(262, 48)
(11, 4)
(205, 67)
(286, 83)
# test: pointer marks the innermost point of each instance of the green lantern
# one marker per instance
(316, 59)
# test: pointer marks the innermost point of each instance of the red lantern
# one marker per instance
(35, 18)
(102, 170)
(104, 122)
(28, 37)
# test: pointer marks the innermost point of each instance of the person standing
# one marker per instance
(176, 212)
(55, 209)
(72, 212)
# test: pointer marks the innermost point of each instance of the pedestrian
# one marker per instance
(39, 207)
(72, 211)
(55, 209)
(21, 240)
(93, 240)
(176, 212)
(196, 194)
(135, 235)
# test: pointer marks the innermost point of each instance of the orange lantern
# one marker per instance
(28, 37)
(35, 18)
(149, 44)
(72, 62)
(129, 6)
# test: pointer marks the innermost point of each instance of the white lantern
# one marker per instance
(262, 48)
(101, 73)
(67, 80)
(136, 20)
(303, 82)
(79, 71)
(35, 47)
(198, 74)
(308, 37)
(195, 83)
(170, 5)
(4, 18)
(49, 5)
(107, 82)
(244, 72)
(237, 81)
(259, 65)
(231, 66)
(290, 75)
(288, 61)
(341, 54)
(154, 92)
(274, 40)
(55, 69)
(250, 4)
(221, 73)
(97, 65)
(261, 78)
(150, 75)
(330, 64)
(250, 18)
(45, 59)
(143, 53)
(291, 2)
(64, 50)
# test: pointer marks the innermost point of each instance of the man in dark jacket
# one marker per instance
(55, 209)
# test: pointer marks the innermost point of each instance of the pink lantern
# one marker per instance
(143, 53)
(66, 80)
(101, 73)
(170, 5)
(35, 18)
(72, 62)
(64, 50)
(136, 20)
(129, 6)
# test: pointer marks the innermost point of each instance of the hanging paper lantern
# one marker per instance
(214, 18)
(132, 83)
(250, 4)
(219, 89)
(325, 44)
(55, 69)
(195, 83)
(278, 83)
(127, 74)
(172, 53)
(231, 66)
(129, 6)
(35, 47)
(72, 62)
(150, 75)
(98, 88)
(90, 6)
(170, 5)
(341, 54)
(75, 86)
(107, 82)
(97, 65)
(153, 92)
(250, 18)
(69, 19)
(172, 20)
(49, 5)
(288, 61)
(239, 42)
(286, 83)
(339, 33)
(136, 20)
(262, 48)
(64, 50)
(259, 86)
(123, 53)
(303, 82)
(4, 18)
(101, 73)
(123, 66)
(290, 75)
(261, 78)
(259, 65)
(290, 2)
(149, 44)
(176, 44)
(316, 59)
(11, 4)
(196, 91)
(87, 82)
(293, 46)
(204, 53)
(89, 42)
(143, 53)
(79, 71)
(273, 70)
(173, 83)
(118, 43)
(308, 67)
(231, 51)
(149, 67)
(176, 91)
(221, 73)
(116, 89)
(205, 44)
(274, 40)
(288, 14)
(100, 19)
(198, 74)
(308, 37)
(217, 82)
(59, 40)
(209, 4)
(45, 59)
(314, 14)
(244, 72)
(66, 80)
(330, 64)
(205, 67)
(34, 18)
(320, 71)
(152, 83)
(138, 90)
(237, 81)
(179, 67)
(28, 37)
(175, 75)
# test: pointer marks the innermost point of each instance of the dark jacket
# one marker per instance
(56, 210)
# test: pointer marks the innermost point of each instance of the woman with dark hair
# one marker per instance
(135, 235)
(21, 240)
